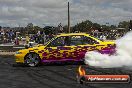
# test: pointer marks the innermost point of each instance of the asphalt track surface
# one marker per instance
(49, 76)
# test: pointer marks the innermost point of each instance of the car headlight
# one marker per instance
(18, 52)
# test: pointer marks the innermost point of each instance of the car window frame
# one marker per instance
(97, 42)
(48, 45)
(70, 40)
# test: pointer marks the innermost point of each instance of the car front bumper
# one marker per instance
(19, 58)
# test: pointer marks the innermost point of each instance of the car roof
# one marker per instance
(69, 34)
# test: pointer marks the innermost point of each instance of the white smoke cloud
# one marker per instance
(123, 57)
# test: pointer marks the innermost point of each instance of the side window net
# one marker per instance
(60, 41)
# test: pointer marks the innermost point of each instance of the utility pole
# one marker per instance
(68, 19)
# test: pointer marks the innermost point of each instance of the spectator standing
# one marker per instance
(27, 39)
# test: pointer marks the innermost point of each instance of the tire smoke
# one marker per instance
(123, 57)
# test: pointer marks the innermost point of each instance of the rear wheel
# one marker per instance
(32, 59)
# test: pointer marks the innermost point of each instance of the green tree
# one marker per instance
(123, 24)
(84, 26)
(37, 28)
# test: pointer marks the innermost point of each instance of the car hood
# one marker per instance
(37, 47)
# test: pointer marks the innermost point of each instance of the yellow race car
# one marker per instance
(64, 47)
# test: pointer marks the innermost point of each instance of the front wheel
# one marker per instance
(32, 59)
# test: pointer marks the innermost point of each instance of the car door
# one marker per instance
(58, 49)
(80, 45)
(76, 42)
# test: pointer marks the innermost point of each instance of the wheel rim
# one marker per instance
(32, 59)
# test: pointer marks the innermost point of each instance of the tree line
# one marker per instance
(84, 26)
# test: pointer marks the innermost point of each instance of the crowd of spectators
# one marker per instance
(7, 36)
(40, 37)
(111, 35)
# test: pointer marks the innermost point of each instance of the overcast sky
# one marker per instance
(52, 12)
